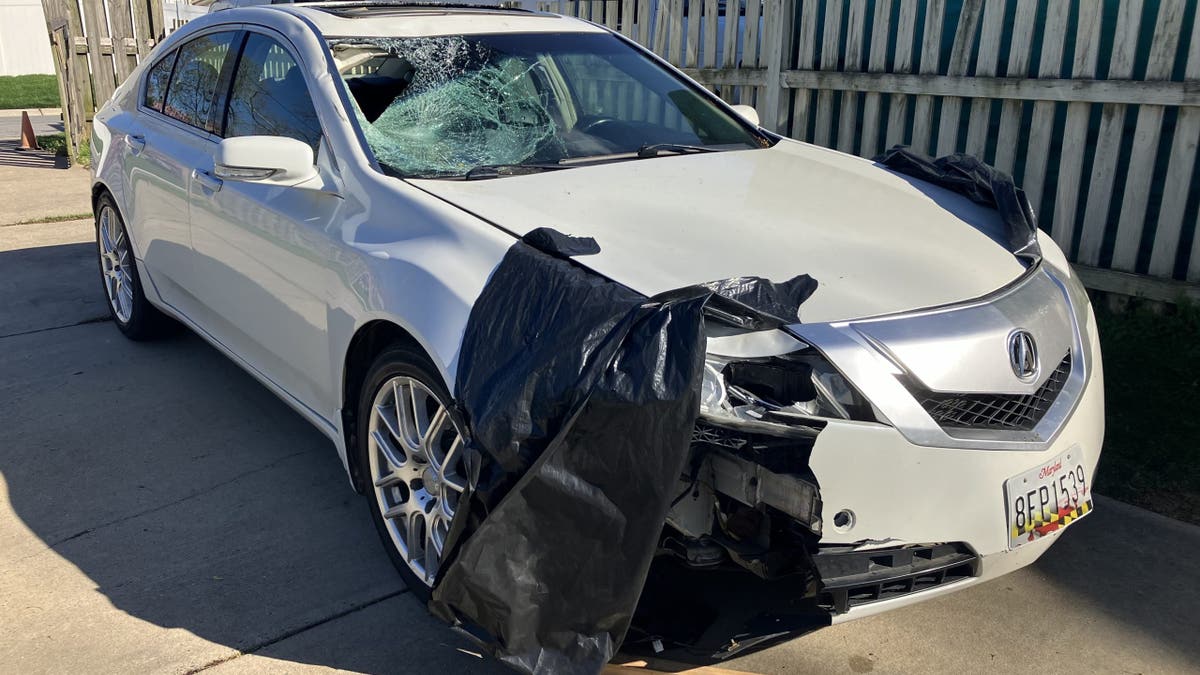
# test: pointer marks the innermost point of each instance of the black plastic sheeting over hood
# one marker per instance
(580, 396)
(979, 182)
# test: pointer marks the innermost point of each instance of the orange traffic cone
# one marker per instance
(28, 140)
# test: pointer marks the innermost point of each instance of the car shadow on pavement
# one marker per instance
(188, 495)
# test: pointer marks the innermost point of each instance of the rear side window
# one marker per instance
(156, 82)
(197, 69)
(269, 96)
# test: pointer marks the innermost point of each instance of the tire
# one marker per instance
(413, 472)
(133, 314)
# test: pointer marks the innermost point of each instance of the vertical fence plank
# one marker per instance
(1074, 140)
(711, 24)
(612, 14)
(806, 55)
(123, 39)
(675, 39)
(729, 46)
(1108, 143)
(931, 52)
(99, 43)
(628, 15)
(778, 23)
(691, 50)
(1132, 219)
(876, 62)
(831, 38)
(852, 62)
(660, 28)
(987, 64)
(1007, 141)
(143, 27)
(644, 19)
(1178, 183)
(750, 56)
(960, 58)
(898, 104)
(1037, 150)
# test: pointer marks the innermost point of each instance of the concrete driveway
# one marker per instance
(162, 512)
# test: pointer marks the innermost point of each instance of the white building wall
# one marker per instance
(24, 42)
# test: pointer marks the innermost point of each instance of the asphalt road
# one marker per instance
(162, 512)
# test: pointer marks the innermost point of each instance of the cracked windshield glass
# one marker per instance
(482, 106)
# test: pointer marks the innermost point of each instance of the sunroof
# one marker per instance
(351, 9)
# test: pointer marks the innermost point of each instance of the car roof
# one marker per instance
(391, 18)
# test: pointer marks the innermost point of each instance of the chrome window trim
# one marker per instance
(866, 364)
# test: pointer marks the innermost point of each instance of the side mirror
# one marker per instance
(748, 113)
(275, 160)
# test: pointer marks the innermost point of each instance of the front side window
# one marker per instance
(269, 96)
(156, 81)
(197, 69)
(438, 107)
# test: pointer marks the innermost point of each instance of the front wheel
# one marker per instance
(410, 442)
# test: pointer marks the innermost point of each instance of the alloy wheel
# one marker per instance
(115, 258)
(416, 461)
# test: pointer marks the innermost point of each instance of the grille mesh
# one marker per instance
(995, 411)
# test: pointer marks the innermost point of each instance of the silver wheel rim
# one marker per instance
(415, 453)
(115, 264)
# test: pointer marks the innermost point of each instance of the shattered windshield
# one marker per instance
(439, 107)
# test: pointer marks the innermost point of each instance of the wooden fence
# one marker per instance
(96, 44)
(1092, 105)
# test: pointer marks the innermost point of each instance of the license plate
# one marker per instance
(1047, 498)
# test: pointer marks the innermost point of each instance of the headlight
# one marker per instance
(771, 394)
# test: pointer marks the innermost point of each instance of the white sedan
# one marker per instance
(323, 191)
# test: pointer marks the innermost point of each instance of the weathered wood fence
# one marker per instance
(96, 44)
(1093, 105)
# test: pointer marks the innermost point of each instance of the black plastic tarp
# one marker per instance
(580, 396)
(979, 182)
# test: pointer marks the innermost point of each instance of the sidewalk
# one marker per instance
(34, 188)
(16, 112)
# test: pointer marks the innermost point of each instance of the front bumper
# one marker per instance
(901, 493)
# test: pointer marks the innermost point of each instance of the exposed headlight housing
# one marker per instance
(775, 394)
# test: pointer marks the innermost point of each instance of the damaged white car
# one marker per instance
(365, 205)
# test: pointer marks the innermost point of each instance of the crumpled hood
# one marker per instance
(877, 242)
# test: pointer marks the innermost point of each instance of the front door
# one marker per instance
(264, 251)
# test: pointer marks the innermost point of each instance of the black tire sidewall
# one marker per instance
(143, 317)
(399, 360)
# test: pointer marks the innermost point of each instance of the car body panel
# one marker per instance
(905, 245)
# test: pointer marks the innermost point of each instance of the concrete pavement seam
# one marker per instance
(98, 319)
(296, 631)
(77, 535)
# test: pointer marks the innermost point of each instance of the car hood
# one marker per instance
(877, 242)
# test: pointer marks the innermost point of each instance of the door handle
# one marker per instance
(207, 181)
(135, 142)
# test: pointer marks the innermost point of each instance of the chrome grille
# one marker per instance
(1009, 412)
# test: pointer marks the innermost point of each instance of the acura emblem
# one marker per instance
(1022, 354)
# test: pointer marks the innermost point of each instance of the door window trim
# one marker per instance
(226, 96)
(238, 31)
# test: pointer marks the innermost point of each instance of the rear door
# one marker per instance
(173, 136)
(266, 252)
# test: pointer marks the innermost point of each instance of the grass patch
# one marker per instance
(57, 143)
(1152, 400)
(51, 219)
(28, 91)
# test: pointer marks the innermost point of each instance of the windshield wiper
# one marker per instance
(654, 149)
(498, 170)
